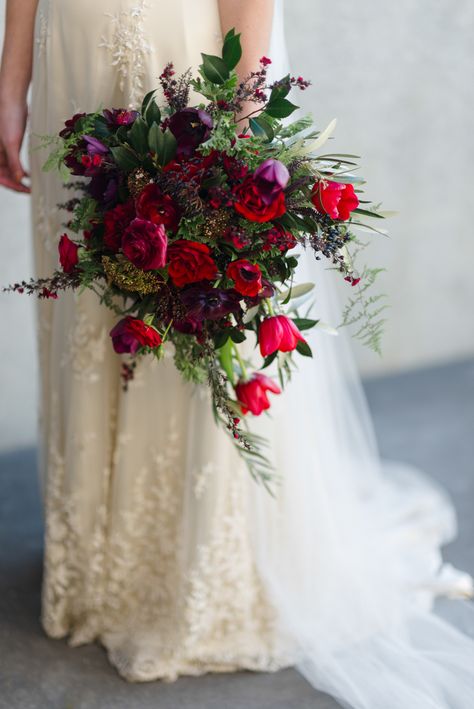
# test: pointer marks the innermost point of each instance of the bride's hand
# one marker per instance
(13, 118)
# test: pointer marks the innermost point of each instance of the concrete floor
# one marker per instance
(424, 417)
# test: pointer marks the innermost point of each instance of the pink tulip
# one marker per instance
(278, 333)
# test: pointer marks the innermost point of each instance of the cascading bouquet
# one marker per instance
(187, 226)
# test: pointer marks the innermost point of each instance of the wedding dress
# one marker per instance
(158, 543)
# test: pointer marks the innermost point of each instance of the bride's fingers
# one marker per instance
(11, 170)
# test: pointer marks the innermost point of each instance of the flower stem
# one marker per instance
(269, 306)
(240, 361)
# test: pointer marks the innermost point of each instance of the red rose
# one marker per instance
(250, 202)
(115, 222)
(68, 254)
(252, 394)
(335, 199)
(156, 207)
(131, 333)
(144, 244)
(247, 277)
(278, 333)
(189, 262)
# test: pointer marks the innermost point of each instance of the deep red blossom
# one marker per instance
(335, 199)
(144, 244)
(252, 394)
(130, 334)
(116, 221)
(68, 254)
(156, 207)
(247, 277)
(190, 262)
(250, 202)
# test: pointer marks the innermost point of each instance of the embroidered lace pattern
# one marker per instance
(129, 50)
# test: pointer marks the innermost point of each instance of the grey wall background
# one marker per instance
(399, 78)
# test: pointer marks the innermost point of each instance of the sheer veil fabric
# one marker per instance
(350, 547)
(158, 543)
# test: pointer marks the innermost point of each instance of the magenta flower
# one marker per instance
(278, 333)
(271, 177)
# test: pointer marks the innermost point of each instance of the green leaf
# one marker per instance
(305, 323)
(146, 101)
(214, 69)
(231, 50)
(138, 136)
(280, 108)
(163, 144)
(282, 90)
(368, 213)
(296, 291)
(101, 129)
(268, 360)
(153, 113)
(125, 158)
(237, 336)
(221, 338)
(262, 128)
(225, 358)
(304, 349)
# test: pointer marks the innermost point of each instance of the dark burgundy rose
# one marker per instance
(70, 125)
(120, 117)
(68, 254)
(188, 326)
(203, 302)
(145, 244)
(116, 221)
(190, 127)
(156, 207)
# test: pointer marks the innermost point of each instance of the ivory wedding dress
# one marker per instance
(158, 543)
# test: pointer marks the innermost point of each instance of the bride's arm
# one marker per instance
(253, 19)
(15, 76)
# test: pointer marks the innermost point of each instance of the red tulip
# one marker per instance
(252, 394)
(278, 333)
(335, 199)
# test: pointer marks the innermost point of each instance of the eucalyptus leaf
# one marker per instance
(250, 314)
(296, 291)
(320, 140)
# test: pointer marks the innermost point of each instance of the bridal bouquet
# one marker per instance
(187, 226)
